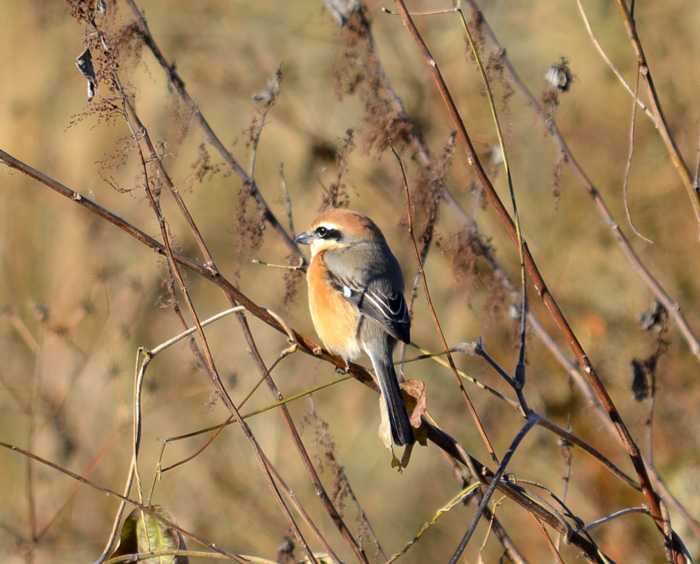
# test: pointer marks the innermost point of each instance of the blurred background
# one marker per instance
(78, 297)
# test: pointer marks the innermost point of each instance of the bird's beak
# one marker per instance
(304, 238)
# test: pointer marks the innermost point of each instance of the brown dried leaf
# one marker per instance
(415, 399)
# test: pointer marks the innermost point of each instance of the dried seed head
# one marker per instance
(559, 75)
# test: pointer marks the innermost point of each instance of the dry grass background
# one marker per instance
(79, 297)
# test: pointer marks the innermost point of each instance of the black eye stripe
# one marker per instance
(326, 233)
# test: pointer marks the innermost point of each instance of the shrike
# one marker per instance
(357, 303)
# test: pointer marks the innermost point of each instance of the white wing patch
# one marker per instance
(347, 292)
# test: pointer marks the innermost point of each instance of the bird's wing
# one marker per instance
(379, 300)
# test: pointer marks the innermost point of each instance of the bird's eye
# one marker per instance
(322, 231)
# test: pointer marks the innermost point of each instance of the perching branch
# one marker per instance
(439, 437)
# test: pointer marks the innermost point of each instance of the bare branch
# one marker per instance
(532, 419)
(628, 166)
(660, 120)
(634, 93)
(179, 86)
(601, 206)
(550, 303)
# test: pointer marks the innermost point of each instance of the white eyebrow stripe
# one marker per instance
(328, 226)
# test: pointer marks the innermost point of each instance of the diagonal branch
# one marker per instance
(446, 347)
(437, 436)
(250, 341)
(305, 344)
(145, 508)
(547, 298)
(178, 85)
(608, 219)
(531, 420)
(660, 120)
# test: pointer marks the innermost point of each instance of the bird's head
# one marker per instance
(339, 228)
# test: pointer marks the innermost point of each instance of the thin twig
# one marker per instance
(660, 120)
(436, 517)
(446, 347)
(628, 164)
(519, 377)
(634, 93)
(596, 195)
(304, 514)
(547, 298)
(565, 448)
(218, 428)
(552, 547)
(178, 85)
(598, 522)
(671, 499)
(319, 488)
(179, 337)
(531, 420)
(35, 386)
(286, 198)
(492, 518)
(146, 509)
(282, 266)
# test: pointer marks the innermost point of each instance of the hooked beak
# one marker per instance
(304, 238)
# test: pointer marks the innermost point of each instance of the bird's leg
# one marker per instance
(344, 370)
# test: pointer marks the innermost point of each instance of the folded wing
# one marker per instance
(378, 300)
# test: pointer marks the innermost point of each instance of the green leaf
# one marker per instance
(143, 532)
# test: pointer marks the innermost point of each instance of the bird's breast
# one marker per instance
(334, 318)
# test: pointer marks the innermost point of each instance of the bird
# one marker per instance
(356, 301)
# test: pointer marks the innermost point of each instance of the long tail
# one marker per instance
(401, 430)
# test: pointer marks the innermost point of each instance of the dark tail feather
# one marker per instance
(401, 430)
